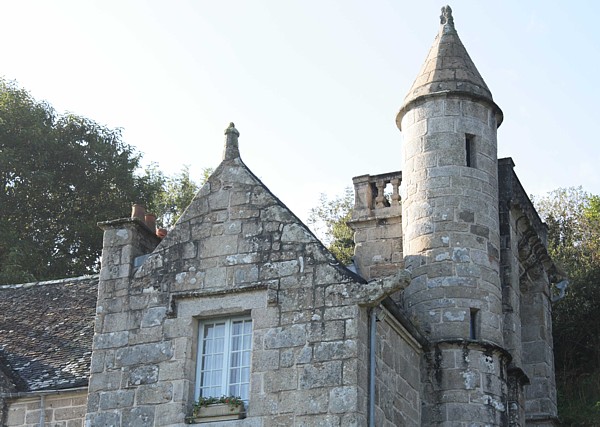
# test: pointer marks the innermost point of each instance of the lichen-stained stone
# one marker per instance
(144, 354)
(285, 337)
(111, 340)
(144, 374)
(323, 374)
(154, 316)
(118, 399)
(236, 251)
(139, 416)
(154, 394)
(448, 297)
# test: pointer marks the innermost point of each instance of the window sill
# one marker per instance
(217, 412)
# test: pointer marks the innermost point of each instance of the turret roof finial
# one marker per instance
(232, 150)
(448, 68)
(446, 17)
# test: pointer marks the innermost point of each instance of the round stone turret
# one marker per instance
(450, 229)
(450, 208)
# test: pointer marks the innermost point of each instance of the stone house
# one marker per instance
(444, 319)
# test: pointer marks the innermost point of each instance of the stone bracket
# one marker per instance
(368, 294)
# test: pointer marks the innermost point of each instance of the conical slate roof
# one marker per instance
(448, 67)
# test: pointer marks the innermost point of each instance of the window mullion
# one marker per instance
(226, 358)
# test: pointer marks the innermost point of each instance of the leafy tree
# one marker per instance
(173, 194)
(59, 176)
(573, 218)
(329, 219)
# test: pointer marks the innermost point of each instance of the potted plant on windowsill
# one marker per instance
(209, 409)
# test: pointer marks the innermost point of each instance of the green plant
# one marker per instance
(578, 399)
(234, 403)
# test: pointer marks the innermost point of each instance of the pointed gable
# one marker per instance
(236, 233)
(236, 256)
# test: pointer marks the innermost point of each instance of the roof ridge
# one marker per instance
(50, 282)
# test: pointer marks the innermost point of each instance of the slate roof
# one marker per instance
(46, 332)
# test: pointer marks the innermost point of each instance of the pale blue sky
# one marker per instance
(312, 86)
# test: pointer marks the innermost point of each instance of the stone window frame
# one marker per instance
(227, 352)
(189, 310)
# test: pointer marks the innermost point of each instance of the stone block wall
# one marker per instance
(303, 370)
(398, 372)
(65, 409)
(516, 397)
(526, 271)
(378, 250)
(236, 251)
(511, 292)
(450, 217)
(538, 358)
(510, 270)
(451, 246)
(465, 384)
(121, 321)
(377, 225)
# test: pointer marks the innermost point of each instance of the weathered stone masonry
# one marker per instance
(59, 410)
(444, 318)
(236, 250)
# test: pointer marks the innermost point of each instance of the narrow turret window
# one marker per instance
(473, 324)
(470, 150)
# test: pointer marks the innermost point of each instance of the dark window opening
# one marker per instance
(470, 150)
(473, 324)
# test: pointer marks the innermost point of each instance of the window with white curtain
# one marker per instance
(224, 350)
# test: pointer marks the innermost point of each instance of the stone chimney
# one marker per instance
(377, 225)
(126, 239)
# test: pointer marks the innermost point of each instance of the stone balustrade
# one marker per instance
(372, 192)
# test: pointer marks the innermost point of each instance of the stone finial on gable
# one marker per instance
(232, 150)
(446, 17)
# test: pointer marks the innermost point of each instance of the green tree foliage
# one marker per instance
(573, 218)
(329, 219)
(171, 195)
(59, 176)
